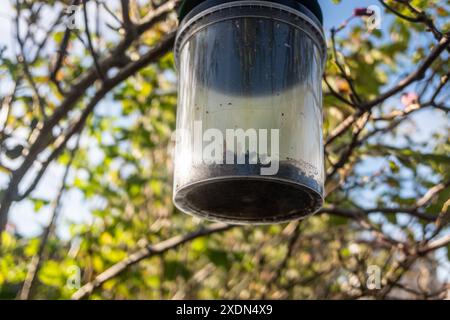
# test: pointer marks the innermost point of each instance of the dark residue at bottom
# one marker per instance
(238, 193)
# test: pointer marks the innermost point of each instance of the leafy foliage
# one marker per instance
(387, 190)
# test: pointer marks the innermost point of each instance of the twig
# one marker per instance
(357, 99)
(100, 73)
(36, 262)
(61, 54)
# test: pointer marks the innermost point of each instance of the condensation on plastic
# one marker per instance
(253, 66)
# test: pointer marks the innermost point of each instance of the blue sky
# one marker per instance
(334, 14)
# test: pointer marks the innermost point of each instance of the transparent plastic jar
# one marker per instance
(250, 65)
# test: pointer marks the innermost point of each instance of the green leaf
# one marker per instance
(39, 204)
(173, 269)
(219, 258)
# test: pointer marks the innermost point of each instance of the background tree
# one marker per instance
(89, 87)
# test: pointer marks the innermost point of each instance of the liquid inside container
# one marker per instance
(250, 65)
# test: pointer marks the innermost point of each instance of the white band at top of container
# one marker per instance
(312, 26)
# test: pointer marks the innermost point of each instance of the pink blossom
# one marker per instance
(362, 12)
(409, 98)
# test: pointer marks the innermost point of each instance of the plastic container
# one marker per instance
(257, 66)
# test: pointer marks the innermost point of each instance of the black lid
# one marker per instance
(188, 5)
